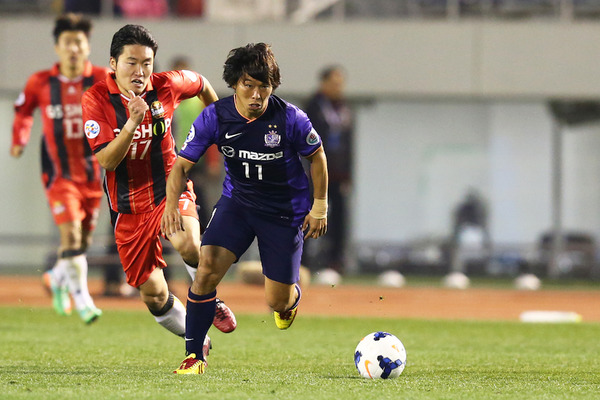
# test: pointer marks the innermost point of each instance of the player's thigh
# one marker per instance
(280, 249)
(187, 241)
(91, 208)
(66, 205)
(139, 245)
(228, 228)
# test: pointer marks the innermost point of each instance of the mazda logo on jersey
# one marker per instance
(228, 151)
(256, 156)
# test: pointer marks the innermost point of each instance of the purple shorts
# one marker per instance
(280, 247)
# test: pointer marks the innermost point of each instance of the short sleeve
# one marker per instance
(185, 84)
(97, 128)
(203, 133)
(305, 138)
(28, 98)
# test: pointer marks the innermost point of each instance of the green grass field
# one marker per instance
(126, 355)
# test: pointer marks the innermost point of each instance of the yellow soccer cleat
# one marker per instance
(191, 365)
(284, 320)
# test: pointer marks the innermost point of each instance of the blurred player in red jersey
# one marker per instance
(70, 173)
(128, 125)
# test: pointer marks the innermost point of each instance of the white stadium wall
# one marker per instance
(441, 107)
(466, 58)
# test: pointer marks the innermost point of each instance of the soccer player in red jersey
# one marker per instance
(128, 125)
(70, 173)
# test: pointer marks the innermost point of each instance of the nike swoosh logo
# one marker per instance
(188, 339)
(367, 363)
(228, 136)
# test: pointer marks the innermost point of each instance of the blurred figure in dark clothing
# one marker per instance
(471, 212)
(333, 119)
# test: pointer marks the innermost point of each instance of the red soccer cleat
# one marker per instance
(224, 318)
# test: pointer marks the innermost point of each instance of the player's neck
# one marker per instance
(71, 71)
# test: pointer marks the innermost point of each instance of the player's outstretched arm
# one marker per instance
(172, 221)
(21, 131)
(208, 94)
(316, 220)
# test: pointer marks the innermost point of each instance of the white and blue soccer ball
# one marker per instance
(380, 355)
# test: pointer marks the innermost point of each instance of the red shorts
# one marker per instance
(70, 201)
(138, 238)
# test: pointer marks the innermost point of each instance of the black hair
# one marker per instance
(326, 72)
(131, 34)
(256, 60)
(71, 22)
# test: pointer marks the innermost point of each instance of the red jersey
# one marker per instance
(138, 184)
(65, 151)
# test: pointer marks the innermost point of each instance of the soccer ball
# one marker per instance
(380, 355)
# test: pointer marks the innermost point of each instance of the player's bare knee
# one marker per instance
(189, 251)
(206, 280)
(154, 301)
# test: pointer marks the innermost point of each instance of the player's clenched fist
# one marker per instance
(137, 108)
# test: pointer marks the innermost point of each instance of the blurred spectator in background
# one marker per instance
(143, 8)
(83, 6)
(90, 7)
(189, 8)
(471, 214)
(333, 119)
(188, 109)
(206, 174)
(470, 235)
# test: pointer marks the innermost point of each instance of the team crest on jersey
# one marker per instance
(58, 208)
(313, 137)
(272, 139)
(158, 118)
(157, 110)
(91, 128)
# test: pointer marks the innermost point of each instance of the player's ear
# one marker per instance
(113, 63)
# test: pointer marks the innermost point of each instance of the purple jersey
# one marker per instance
(262, 156)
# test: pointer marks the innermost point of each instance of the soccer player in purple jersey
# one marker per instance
(265, 192)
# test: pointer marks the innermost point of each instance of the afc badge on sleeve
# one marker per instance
(313, 137)
(91, 128)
